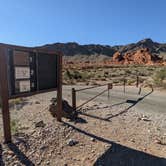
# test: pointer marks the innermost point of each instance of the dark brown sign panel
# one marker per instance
(31, 71)
(27, 71)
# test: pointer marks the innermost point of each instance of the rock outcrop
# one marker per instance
(140, 56)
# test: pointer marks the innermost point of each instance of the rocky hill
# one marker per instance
(142, 52)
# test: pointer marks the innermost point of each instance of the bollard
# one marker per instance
(137, 84)
(124, 85)
(74, 99)
(110, 86)
(108, 92)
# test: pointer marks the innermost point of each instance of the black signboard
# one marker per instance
(31, 71)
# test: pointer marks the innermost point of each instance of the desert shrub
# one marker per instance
(76, 75)
(160, 77)
(67, 75)
(14, 126)
(98, 76)
(114, 75)
(106, 74)
(130, 82)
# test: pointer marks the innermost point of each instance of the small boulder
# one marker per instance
(72, 142)
(40, 124)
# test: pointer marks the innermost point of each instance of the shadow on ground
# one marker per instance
(1, 159)
(19, 104)
(132, 102)
(24, 160)
(119, 155)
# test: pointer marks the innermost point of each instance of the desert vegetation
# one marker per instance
(160, 78)
(154, 75)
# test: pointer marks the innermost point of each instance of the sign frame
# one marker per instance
(4, 84)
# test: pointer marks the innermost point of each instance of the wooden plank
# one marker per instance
(5, 95)
(28, 94)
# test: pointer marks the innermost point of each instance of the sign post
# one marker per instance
(59, 89)
(4, 91)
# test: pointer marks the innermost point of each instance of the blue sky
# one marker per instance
(112, 22)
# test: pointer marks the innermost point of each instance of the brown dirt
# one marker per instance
(105, 135)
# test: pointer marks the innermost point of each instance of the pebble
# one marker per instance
(40, 124)
(43, 147)
(10, 153)
(145, 119)
(37, 102)
(157, 141)
(132, 140)
(92, 139)
(92, 151)
(72, 142)
(48, 162)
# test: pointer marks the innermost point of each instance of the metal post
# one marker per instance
(137, 84)
(5, 96)
(124, 85)
(59, 89)
(74, 99)
(108, 91)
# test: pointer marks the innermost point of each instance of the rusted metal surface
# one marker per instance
(4, 96)
(137, 83)
(110, 85)
(124, 85)
(7, 77)
(20, 59)
(59, 89)
(74, 98)
(32, 93)
(90, 87)
(92, 98)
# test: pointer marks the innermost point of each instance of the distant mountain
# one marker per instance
(92, 50)
(72, 49)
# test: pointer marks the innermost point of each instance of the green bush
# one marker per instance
(14, 126)
(76, 75)
(159, 78)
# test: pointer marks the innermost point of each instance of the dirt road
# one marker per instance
(147, 101)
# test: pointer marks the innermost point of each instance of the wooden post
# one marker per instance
(74, 99)
(4, 92)
(124, 85)
(59, 88)
(109, 86)
(137, 84)
(108, 92)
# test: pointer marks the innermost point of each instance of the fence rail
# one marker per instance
(74, 96)
(109, 86)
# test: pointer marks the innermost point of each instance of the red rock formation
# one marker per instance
(117, 58)
(141, 56)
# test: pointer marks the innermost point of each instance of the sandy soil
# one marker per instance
(104, 134)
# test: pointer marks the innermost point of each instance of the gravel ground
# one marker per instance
(104, 134)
